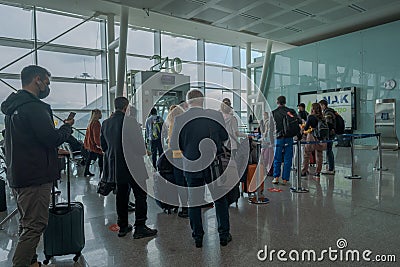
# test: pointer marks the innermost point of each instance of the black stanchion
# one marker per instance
(259, 198)
(298, 188)
(380, 167)
(352, 176)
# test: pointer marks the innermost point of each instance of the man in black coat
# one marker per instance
(31, 142)
(190, 129)
(116, 167)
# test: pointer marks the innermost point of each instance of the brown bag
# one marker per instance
(310, 147)
(313, 147)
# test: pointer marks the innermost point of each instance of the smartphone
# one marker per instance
(71, 116)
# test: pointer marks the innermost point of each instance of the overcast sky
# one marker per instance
(67, 95)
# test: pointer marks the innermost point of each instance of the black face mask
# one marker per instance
(45, 93)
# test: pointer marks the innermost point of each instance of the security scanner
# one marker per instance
(385, 123)
(147, 89)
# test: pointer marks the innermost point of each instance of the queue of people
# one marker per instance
(31, 137)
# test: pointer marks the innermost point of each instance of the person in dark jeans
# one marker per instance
(330, 118)
(116, 168)
(189, 130)
(154, 125)
(31, 142)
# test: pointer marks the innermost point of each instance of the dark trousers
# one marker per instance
(156, 146)
(94, 156)
(330, 157)
(122, 200)
(181, 181)
(221, 207)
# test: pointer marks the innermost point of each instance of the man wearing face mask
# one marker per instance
(31, 142)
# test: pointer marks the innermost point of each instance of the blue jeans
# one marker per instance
(283, 146)
(330, 157)
(221, 207)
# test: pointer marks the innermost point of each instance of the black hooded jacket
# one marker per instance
(31, 140)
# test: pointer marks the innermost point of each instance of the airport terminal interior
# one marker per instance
(250, 51)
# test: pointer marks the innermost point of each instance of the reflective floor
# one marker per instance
(365, 212)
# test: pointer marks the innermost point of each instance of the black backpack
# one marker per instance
(322, 130)
(291, 126)
(340, 125)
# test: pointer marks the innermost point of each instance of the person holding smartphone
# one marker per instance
(31, 142)
(92, 142)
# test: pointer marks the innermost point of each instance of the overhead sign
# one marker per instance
(174, 65)
(342, 100)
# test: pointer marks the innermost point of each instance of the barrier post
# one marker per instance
(380, 167)
(298, 188)
(352, 176)
(259, 197)
(12, 214)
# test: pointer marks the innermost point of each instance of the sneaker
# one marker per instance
(276, 180)
(143, 231)
(183, 214)
(284, 182)
(131, 209)
(225, 241)
(328, 172)
(124, 231)
(316, 176)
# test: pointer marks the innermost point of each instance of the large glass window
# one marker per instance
(70, 65)
(9, 54)
(15, 22)
(220, 76)
(139, 42)
(216, 53)
(50, 25)
(74, 95)
(139, 63)
(183, 48)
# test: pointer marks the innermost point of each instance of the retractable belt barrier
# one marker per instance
(299, 189)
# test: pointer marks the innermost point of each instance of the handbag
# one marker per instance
(313, 147)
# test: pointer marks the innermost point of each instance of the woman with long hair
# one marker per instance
(92, 142)
(310, 128)
(174, 111)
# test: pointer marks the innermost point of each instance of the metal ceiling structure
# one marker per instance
(294, 22)
(236, 22)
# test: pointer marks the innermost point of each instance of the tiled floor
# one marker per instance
(365, 212)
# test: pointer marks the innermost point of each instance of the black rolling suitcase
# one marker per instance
(65, 231)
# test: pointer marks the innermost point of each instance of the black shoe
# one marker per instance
(144, 231)
(225, 241)
(198, 243)
(131, 204)
(88, 174)
(131, 209)
(123, 231)
(183, 214)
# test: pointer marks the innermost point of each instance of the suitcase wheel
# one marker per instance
(47, 260)
(77, 255)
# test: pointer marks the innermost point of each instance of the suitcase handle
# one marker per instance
(53, 195)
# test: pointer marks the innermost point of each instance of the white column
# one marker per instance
(123, 40)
